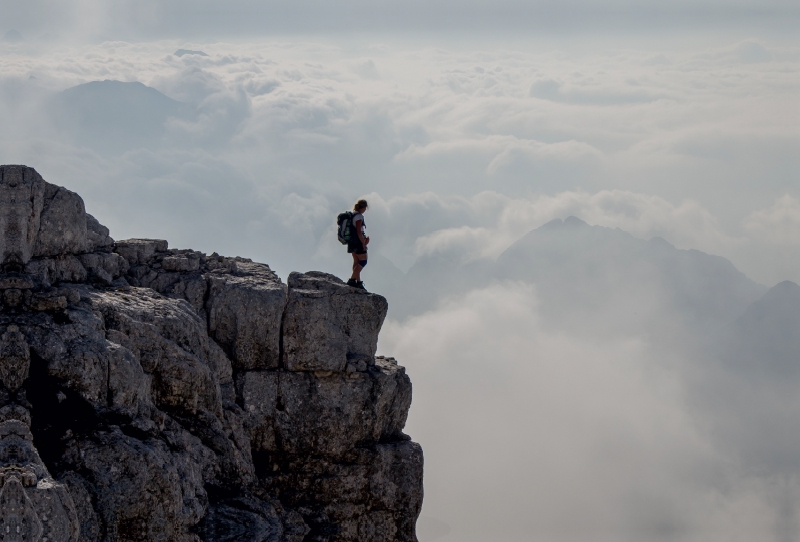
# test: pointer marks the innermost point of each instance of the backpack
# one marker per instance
(345, 226)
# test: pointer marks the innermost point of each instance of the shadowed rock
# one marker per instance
(33, 506)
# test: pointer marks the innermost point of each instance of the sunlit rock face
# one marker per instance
(154, 394)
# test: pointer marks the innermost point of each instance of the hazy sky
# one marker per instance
(127, 19)
(466, 124)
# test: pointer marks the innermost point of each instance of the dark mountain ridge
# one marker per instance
(600, 267)
(766, 338)
(114, 116)
(588, 275)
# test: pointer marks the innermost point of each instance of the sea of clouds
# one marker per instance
(454, 146)
(541, 434)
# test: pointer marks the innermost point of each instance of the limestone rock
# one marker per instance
(310, 403)
(62, 225)
(328, 323)
(140, 251)
(38, 218)
(258, 391)
(157, 394)
(48, 271)
(245, 307)
(374, 494)
(97, 235)
(31, 502)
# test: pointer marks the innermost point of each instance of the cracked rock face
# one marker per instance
(154, 394)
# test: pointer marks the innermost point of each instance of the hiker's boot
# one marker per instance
(353, 283)
(360, 285)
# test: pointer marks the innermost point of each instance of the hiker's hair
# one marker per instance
(361, 204)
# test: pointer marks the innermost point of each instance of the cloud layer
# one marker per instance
(538, 433)
(694, 146)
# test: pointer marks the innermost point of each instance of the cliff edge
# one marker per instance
(153, 394)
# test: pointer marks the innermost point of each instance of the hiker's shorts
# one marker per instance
(356, 247)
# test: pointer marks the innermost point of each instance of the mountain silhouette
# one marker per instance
(115, 116)
(593, 275)
(12, 36)
(182, 52)
(611, 271)
(766, 338)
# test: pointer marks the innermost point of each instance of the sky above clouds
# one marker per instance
(465, 125)
(151, 19)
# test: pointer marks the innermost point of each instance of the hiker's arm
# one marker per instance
(364, 240)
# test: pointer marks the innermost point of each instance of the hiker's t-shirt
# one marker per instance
(356, 218)
(356, 238)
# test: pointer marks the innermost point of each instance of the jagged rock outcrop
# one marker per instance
(154, 394)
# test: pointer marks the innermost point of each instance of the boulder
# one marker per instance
(245, 307)
(97, 235)
(139, 251)
(372, 495)
(327, 323)
(32, 503)
(330, 413)
(37, 218)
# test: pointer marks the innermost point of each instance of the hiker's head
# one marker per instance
(361, 206)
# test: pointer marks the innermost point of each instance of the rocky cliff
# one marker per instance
(153, 394)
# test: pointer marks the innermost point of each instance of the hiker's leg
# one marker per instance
(362, 262)
(356, 268)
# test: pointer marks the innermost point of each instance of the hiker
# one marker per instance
(357, 244)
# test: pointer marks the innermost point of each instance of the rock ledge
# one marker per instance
(155, 394)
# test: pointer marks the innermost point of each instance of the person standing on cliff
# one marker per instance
(358, 244)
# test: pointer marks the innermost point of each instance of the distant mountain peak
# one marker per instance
(766, 338)
(181, 52)
(116, 116)
(569, 222)
(787, 286)
(12, 36)
(778, 308)
(574, 221)
(786, 292)
(661, 242)
(554, 224)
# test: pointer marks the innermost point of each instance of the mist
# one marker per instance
(597, 386)
(583, 216)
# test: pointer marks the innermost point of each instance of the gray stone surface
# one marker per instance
(97, 235)
(245, 306)
(62, 224)
(157, 394)
(373, 494)
(328, 323)
(365, 407)
(32, 504)
(140, 251)
(38, 218)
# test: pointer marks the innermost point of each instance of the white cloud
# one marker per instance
(779, 224)
(687, 225)
(532, 432)
(770, 251)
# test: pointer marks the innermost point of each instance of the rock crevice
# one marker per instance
(155, 394)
